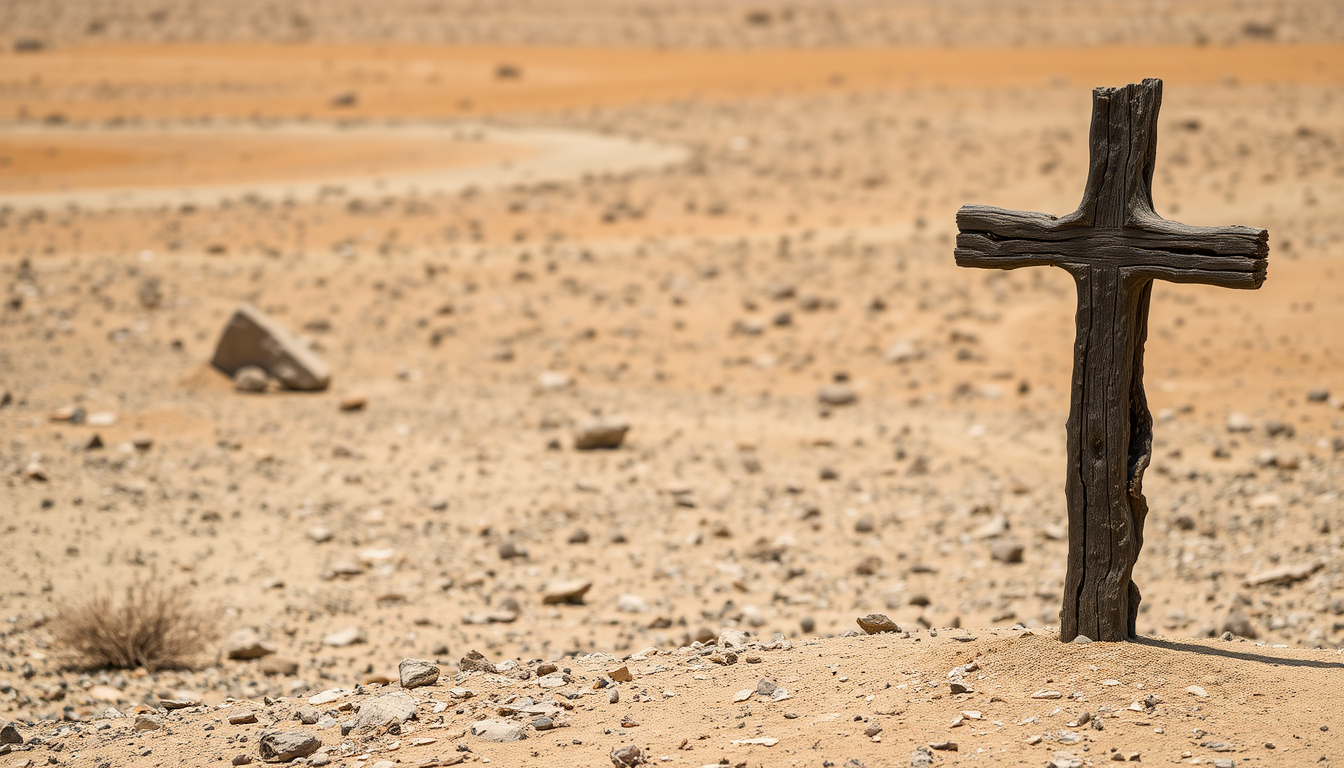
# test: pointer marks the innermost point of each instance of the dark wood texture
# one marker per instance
(1114, 245)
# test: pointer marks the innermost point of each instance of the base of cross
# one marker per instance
(1114, 245)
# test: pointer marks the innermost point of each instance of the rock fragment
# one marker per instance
(247, 643)
(874, 623)
(9, 734)
(343, 637)
(384, 710)
(1286, 574)
(498, 730)
(837, 395)
(627, 756)
(601, 433)
(252, 379)
(570, 591)
(252, 339)
(415, 673)
(475, 661)
(284, 746)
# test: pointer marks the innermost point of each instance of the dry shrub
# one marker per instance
(154, 626)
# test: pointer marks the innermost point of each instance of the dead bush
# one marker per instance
(152, 626)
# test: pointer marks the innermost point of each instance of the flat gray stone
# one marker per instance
(252, 338)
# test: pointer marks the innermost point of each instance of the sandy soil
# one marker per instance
(729, 217)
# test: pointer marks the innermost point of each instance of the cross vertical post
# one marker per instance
(1114, 245)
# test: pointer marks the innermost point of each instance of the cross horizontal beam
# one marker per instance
(995, 238)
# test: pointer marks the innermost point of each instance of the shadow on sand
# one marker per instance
(1230, 653)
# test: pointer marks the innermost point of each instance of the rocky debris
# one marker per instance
(242, 718)
(353, 401)
(922, 757)
(250, 338)
(627, 756)
(247, 643)
(600, 433)
(874, 623)
(1286, 574)
(1239, 422)
(383, 710)
(498, 730)
(570, 591)
(285, 746)
(475, 661)
(415, 673)
(621, 674)
(9, 733)
(251, 379)
(147, 723)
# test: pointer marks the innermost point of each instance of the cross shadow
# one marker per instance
(1230, 653)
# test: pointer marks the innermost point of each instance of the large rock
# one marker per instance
(284, 746)
(252, 338)
(247, 643)
(415, 673)
(388, 708)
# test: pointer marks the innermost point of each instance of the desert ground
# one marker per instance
(729, 227)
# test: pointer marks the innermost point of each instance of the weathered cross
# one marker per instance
(1114, 245)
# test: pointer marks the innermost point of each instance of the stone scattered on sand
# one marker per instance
(389, 708)
(251, 379)
(344, 637)
(874, 623)
(627, 756)
(247, 643)
(498, 730)
(252, 338)
(569, 591)
(731, 640)
(242, 718)
(146, 723)
(601, 433)
(1007, 551)
(1239, 422)
(278, 665)
(1286, 574)
(1239, 624)
(415, 673)
(475, 661)
(837, 395)
(353, 402)
(621, 674)
(9, 733)
(285, 746)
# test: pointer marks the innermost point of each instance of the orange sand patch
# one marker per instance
(101, 82)
(60, 161)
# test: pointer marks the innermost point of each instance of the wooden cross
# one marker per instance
(1114, 245)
